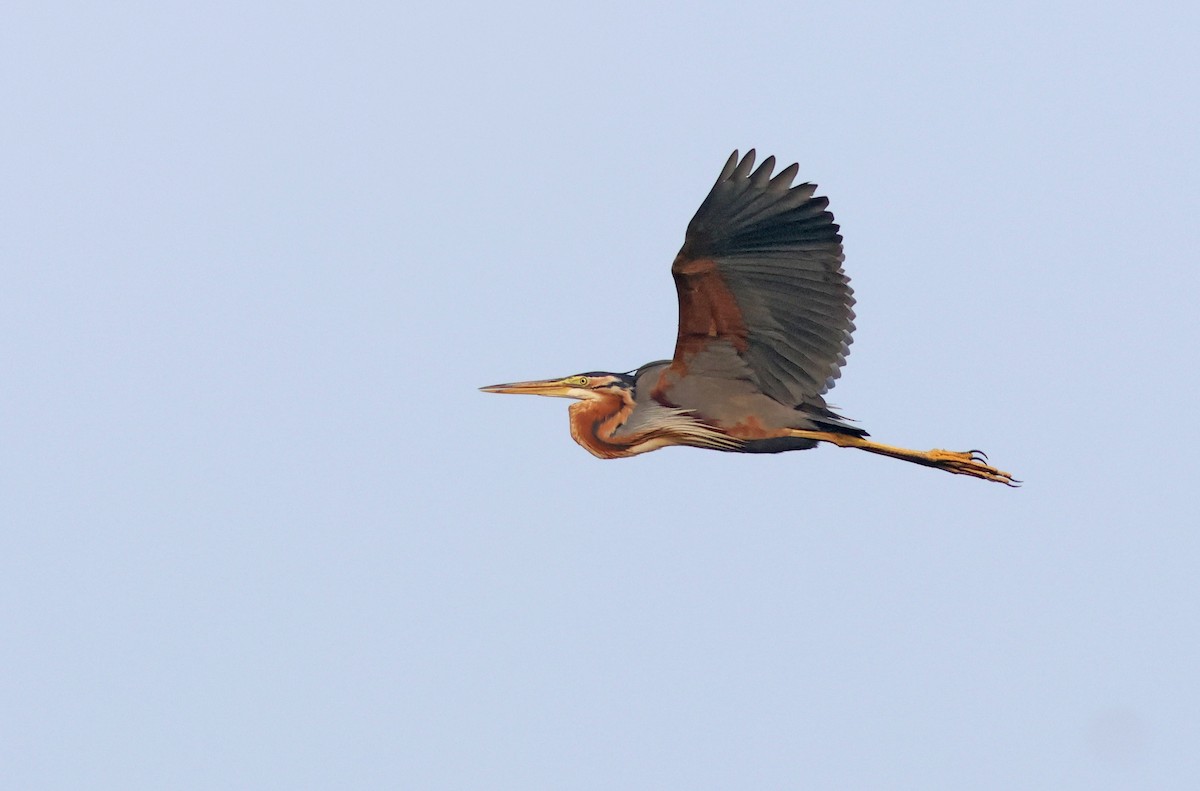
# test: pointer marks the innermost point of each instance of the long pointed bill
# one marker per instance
(545, 387)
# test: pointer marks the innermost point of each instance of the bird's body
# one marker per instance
(625, 418)
(765, 322)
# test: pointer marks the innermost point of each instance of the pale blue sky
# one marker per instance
(261, 531)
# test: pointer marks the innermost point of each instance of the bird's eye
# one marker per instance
(581, 381)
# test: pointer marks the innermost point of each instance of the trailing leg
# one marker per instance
(971, 462)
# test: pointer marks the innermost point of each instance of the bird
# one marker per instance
(765, 323)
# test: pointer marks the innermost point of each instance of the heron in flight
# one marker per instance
(764, 328)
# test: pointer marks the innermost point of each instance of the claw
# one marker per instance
(978, 452)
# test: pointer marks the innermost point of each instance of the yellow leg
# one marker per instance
(971, 462)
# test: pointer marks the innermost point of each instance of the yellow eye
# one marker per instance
(579, 380)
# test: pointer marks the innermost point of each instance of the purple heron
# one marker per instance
(764, 328)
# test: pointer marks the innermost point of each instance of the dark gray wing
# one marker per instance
(761, 269)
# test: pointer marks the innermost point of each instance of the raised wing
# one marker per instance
(761, 270)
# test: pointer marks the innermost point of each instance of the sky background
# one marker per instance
(260, 530)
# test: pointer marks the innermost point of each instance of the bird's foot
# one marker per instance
(971, 462)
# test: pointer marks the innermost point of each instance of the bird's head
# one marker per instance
(592, 386)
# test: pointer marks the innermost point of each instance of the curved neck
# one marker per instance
(595, 421)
